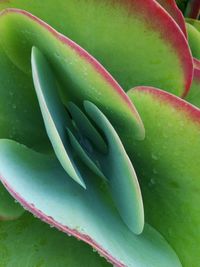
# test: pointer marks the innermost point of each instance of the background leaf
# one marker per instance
(150, 49)
(9, 210)
(167, 163)
(31, 243)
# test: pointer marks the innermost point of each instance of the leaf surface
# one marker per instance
(79, 75)
(172, 8)
(122, 179)
(87, 214)
(167, 163)
(150, 49)
(194, 94)
(38, 245)
(20, 117)
(194, 40)
(9, 210)
(54, 114)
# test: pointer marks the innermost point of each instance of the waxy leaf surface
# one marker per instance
(54, 114)
(150, 49)
(30, 242)
(80, 76)
(118, 169)
(87, 214)
(20, 117)
(167, 163)
(194, 40)
(194, 94)
(171, 7)
(9, 210)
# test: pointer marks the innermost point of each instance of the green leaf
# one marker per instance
(118, 169)
(194, 94)
(194, 22)
(150, 49)
(31, 243)
(87, 214)
(79, 75)
(9, 210)
(167, 163)
(20, 117)
(55, 116)
(194, 40)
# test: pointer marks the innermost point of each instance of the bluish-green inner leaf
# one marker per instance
(76, 136)
(55, 117)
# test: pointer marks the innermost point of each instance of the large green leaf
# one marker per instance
(41, 185)
(137, 41)
(81, 77)
(168, 166)
(31, 243)
(9, 210)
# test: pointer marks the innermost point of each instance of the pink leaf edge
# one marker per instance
(190, 111)
(48, 219)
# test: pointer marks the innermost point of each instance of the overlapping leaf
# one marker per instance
(47, 191)
(80, 76)
(167, 163)
(171, 7)
(29, 242)
(150, 49)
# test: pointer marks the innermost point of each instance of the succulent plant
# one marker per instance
(99, 133)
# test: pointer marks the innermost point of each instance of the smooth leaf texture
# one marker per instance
(118, 169)
(194, 22)
(54, 114)
(171, 7)
(120, 173)
(31, 243)
(146, 52)
(194, 94)
(194, 40)
(20, 117)
(86, 128)
(86, 214)
(168, 166)
(81, 77)
(83, 155)
(9, 210)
